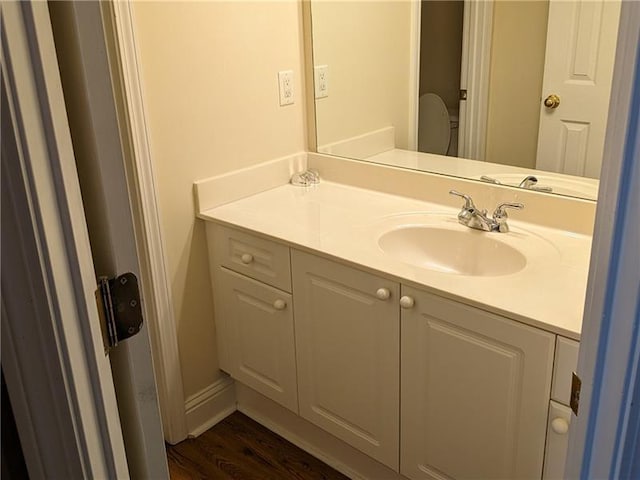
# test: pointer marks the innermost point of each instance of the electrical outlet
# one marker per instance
(321, 81)
(285, 82)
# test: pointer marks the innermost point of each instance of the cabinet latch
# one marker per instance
(576, 385)
(119, 308)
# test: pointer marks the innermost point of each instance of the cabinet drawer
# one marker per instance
(252, 256)
(565, 363)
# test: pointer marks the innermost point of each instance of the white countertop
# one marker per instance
(345, 222)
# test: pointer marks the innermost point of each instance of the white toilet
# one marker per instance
(437, 128)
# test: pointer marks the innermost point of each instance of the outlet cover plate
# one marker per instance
(321, 81)
(285, 83)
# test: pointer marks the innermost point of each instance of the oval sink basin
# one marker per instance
(468, 252)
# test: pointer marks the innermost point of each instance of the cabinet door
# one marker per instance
(475, 392)
(259, 327)
(347, 342)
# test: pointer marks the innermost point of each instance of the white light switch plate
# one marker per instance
(285, 82)
(321, 81)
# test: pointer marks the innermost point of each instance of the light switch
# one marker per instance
(321, 81)
(285, 82)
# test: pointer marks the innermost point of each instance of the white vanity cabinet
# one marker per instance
(475, 392)
(348, 351)
(427, 386)
(254, 320)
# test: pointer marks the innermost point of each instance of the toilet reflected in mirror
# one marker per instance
(437, 126)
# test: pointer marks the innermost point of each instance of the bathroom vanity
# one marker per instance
(453, 364)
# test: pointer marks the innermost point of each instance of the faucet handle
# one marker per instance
(501, 210)
(500, 215)
(487, 179)
(468, 201)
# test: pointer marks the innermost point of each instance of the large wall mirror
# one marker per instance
(510, 92)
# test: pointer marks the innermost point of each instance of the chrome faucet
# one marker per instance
(472, 217)
(529, 182)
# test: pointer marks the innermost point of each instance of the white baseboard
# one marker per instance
(210, 405)
(315, 441)
(214, 191)
(219, 400)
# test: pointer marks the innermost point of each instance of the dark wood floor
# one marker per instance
(239, 448)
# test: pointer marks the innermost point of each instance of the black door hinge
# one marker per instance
(576, 386)
(119, 308)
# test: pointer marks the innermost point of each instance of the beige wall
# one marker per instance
(209, 73)
(517, 67)
(366, 47)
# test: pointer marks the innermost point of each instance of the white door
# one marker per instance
(58, 376)
(347, 345)
(475, 392)
(79, 33)
(581, 45)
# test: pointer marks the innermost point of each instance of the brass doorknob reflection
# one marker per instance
(552, 101)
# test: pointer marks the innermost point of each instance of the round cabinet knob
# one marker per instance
(560, 426)
(246, 258)
(407, 302)
(552, 101)
(279, 304)
(383, 293)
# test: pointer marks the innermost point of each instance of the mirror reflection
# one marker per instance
(507, 92)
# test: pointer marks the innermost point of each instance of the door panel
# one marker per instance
(581, 44)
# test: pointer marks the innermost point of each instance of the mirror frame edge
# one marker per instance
(309, 80)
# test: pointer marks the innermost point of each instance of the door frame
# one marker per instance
(414, 73)
(477, 31)
(609, 349)
(58, 377)
(119, 30)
